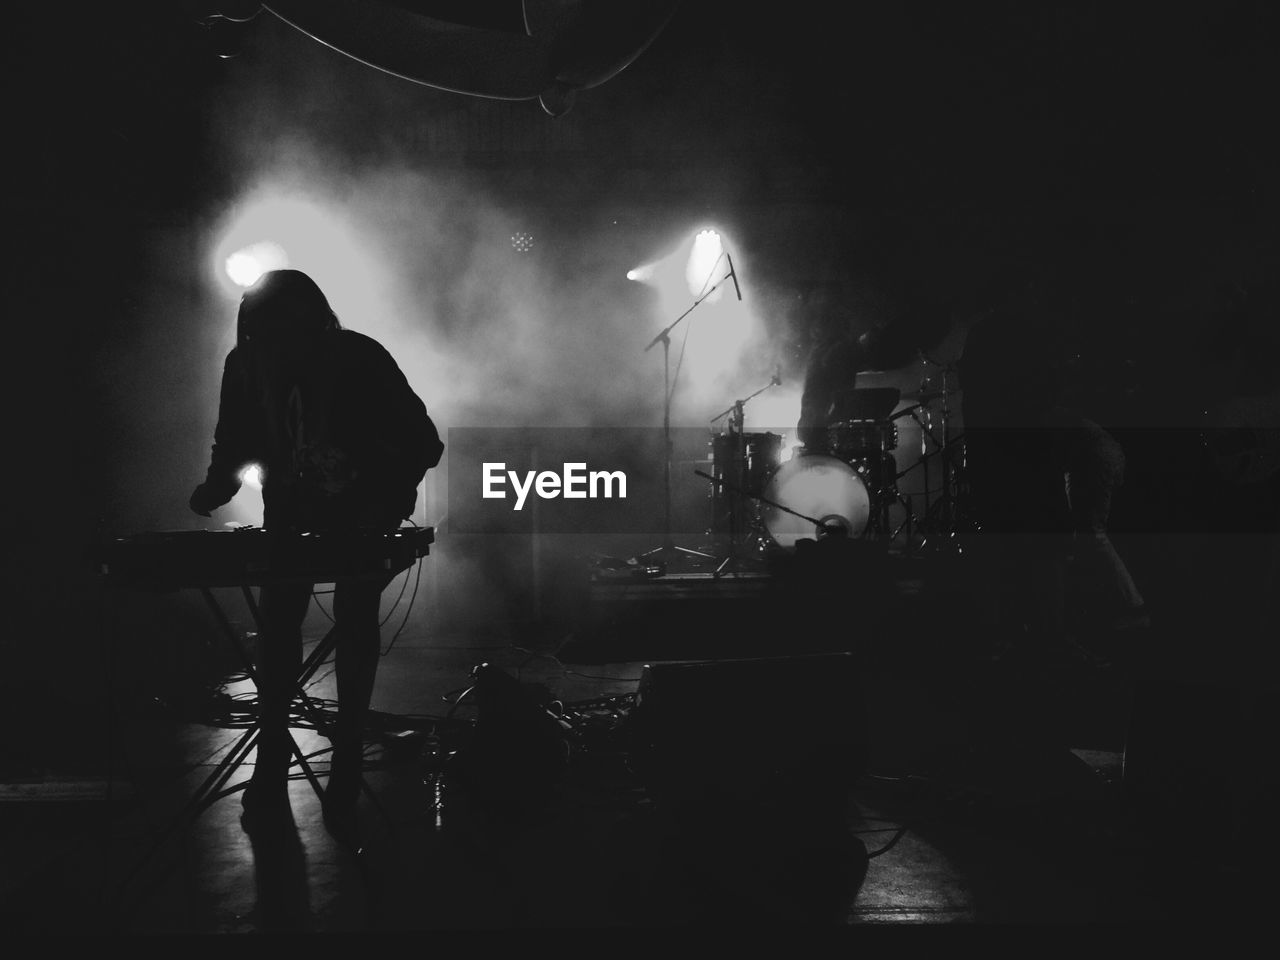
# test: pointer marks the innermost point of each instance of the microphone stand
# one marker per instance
(668, 548)
(739, 404)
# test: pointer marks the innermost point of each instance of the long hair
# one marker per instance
(283, 308)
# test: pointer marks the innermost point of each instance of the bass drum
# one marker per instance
(817, 486)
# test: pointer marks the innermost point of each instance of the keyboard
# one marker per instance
(251, 556)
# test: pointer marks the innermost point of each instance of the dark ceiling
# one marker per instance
(1058, 126)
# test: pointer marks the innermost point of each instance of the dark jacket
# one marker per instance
(342, 439)
(832, 369)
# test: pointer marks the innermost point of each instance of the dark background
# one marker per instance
(901, 153)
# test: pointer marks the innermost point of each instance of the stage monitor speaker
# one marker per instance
(760, 728)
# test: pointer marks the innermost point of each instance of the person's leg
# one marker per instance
(278, 659)
(355, 613)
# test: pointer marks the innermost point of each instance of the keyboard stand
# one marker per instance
(218, 778)
(214, 786)
(244, 558)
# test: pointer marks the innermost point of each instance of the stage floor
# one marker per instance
(992, 791)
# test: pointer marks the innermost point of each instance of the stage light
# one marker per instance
(522, 241)
(280, 226)
(713, 338)
(705, 259)
(245, 266)
(252, 476)
(243, 269)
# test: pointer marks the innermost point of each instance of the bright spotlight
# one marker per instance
(243, 269)
(704, 259)
(245, 266)
(521, 241)
(252, 476)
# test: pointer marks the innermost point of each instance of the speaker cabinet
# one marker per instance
(760, 731)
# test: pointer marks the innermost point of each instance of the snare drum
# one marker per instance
(819, 486)
(861, 439)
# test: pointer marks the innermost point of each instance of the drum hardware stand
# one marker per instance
(668, 548)
(881, 482)
(883, 497)
(908, 521)
(930, 510)
(881, 502)
(737, 420)
(940, 518)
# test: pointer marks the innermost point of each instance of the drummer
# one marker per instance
(832, 369)
(853, 347)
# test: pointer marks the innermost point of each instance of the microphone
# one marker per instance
(733, 273)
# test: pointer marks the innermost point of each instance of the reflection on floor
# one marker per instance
(990, 792)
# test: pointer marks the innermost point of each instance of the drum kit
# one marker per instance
(840, 483)
(843, 484)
